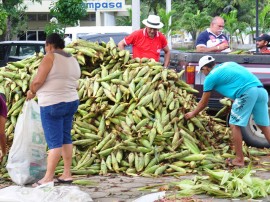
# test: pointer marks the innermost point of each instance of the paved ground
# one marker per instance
(119, 188)
(125, 189)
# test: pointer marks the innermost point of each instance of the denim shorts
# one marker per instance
(57, 123)
(253, 101)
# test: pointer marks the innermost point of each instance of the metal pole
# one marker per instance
(257, 22)
(168, 9)
(136, 22)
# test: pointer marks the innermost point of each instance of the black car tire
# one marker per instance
(252, 134)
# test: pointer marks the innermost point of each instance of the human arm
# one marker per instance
(3, 146)
(43, 71)
(2, 137)
(201, 105)
(203, 49)
(121, 45)
(218, 48)
(166, 56)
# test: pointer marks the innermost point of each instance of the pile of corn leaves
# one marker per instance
(236, 183)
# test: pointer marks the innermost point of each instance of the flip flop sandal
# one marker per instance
(62, 181)
(36, 184)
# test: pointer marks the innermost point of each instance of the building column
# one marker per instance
(136, 21)
(168, 9)
(98, 18)
(109, 19)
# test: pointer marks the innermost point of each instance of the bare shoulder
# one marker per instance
(49, 57)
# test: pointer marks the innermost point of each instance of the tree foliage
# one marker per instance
(264, 18)
(195, 23)
(243, 19)
(232, 25)
(154, 5)
(125, 20)
(68, 12)
(54, 27)
(165, 18)
(3, 20)
(12, 13)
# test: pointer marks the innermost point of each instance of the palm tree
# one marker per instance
(195, 23)
(125, 20)
(232, 24)
(153, 5)
(264, 18)
(165, 18)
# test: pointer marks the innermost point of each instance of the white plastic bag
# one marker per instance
(151, 197)
(27, 156)
(44, 193)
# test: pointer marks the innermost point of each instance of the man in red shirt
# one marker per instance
(262, 42)
(148, 42)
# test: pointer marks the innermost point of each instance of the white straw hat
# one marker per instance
(205, 60)
(153, 21)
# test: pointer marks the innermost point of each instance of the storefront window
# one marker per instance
(32, 17)
(33, 35)
(42, 17)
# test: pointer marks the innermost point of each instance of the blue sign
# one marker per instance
(104, 5)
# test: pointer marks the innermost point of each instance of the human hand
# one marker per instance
(189, 115)
(30, 95)
(223, 46)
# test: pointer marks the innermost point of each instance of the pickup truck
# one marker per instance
(257, 63)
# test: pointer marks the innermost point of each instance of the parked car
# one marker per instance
(17, 50)
(117, 37)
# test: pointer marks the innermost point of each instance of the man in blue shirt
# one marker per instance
(237, 83)
(212, 39)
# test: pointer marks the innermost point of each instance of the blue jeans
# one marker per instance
(57, 123)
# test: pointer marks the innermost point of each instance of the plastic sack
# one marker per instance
(44, 193)
(27, 156)
(151, 197)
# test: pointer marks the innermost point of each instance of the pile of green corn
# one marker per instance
(130, 118)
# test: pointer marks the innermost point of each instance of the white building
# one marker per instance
(100, 13)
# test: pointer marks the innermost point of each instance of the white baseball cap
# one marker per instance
(205, 60)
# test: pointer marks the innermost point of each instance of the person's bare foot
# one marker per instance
(234, 163)
(39, 183)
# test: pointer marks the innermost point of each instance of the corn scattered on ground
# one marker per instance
(120, 188)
